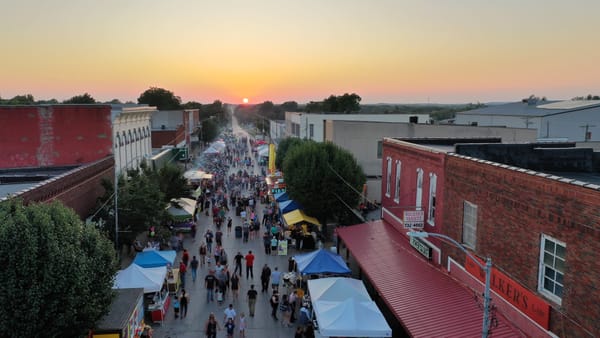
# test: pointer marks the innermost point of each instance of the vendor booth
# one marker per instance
(155, 258)
(280, 197)
(289, 206)
(153, 281)
(125, 318)
(321, 262)
(342, 307)
(298, 216)
(181, 209)
(303, 229)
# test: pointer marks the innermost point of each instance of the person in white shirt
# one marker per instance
(229, 313)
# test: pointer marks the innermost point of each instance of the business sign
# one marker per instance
(414, 219)
(277, 190)
(421, 247)
(531, 305)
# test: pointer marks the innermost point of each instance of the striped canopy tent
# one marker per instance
(282, 196)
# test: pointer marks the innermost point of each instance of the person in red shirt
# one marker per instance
(249, 264)
(182, 271)
(185, 257)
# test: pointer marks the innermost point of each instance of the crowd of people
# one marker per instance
(234, 186)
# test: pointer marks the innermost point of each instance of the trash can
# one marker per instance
(238, 232)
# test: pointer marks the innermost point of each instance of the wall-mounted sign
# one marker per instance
(526, 301)
(277, 190)
(414, 219)
(421, 247)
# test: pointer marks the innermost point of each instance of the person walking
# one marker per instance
(252, 300)
(235, 286)
(229, 314)
(238, 263)
(229, 224)
(176, 306)
(249, 265)
(202, 250)
(211, 326)
(285, 309)
(185, 257)
(209, 240)
(209, 282)
(194, 267)
(274, 304)
(275, 277)
(265, 277)
(182, 271)
(267, 243)
(242, 325)
(229, 328)
(183, 303)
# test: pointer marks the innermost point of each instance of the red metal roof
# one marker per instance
(428, 302)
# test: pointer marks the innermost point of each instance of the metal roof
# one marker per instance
(428, 302)
(542, 108)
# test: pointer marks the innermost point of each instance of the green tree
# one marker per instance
(171, 182)
(160, 98)
(284, 147)
(346, 103)
(81, 99)
(192, 105)
(57, 273)
(289, 106)
(209, 130)
(325, 179)
(26, 99)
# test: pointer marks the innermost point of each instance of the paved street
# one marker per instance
(262, 325)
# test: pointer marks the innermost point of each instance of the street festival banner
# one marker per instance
(282, 248)
(271, 158)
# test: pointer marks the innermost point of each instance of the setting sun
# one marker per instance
(245, 100)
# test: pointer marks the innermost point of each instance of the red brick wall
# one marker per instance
(167, 137)
(413, 157)
(55, 135)
(77, 189)
(514, 210)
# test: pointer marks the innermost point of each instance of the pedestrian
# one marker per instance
(202, 251)
(249, 265)
(193, 230)
(265, 277)
(238, 263)
(211, 327)
(293, 299)
(194, 268)
(183, 303)
(182, 271)
(229, 313)
(299, 332)
(275, 277)
(229, 224)
(219, 237)
(267, 243)
(252, 300)
(285, 309)
(230, 328)
(176, 306)
(274, 243)
(209, 240)
(209, 282)
(242, 325)
(274, 304)
(235, 286)
(305, 316)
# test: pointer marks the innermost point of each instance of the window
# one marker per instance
(118, 143)
(388, 176)
(552, 268)
(311, 130)
(469, 237)
(419, 193)
(397, 188)
(432, 188)
(379, 149)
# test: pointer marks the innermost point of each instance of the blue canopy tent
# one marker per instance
(321, 262)
(289, 205)
(282, 196)
(155, 258)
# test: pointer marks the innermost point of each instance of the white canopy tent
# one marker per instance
(185, 210)
(344, 308)
(134, 276)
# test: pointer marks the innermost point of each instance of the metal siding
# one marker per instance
(426, 301)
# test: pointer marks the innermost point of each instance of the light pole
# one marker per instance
(487, 268)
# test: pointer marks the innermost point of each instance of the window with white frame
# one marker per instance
(469, 235)
(388, 176)
(432, 193)
(419, 193)
(379, 149)
(397, 182)
(552, 268)
(311, 131)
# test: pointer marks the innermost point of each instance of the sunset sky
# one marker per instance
(393, 51)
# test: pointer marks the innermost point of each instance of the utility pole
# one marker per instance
(588, 135)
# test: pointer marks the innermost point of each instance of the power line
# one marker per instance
(348, 184)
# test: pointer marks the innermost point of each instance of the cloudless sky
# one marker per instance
(394, 51)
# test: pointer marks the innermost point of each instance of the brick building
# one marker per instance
(532, 208)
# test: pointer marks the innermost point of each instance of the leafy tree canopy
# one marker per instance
(19, 100)
(57, 273)
(336, 104)
(160, 98)
(324, 178)
(192, 105)
(81, 99)
(284, 147)
(209, 130)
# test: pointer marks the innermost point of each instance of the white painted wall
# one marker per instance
(131, 136)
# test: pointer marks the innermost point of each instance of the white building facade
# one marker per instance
(131, 135)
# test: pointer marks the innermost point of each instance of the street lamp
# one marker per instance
(487, 268)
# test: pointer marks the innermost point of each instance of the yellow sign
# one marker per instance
(271, 158)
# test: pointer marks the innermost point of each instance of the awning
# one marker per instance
(426, 301)
(297, 216)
